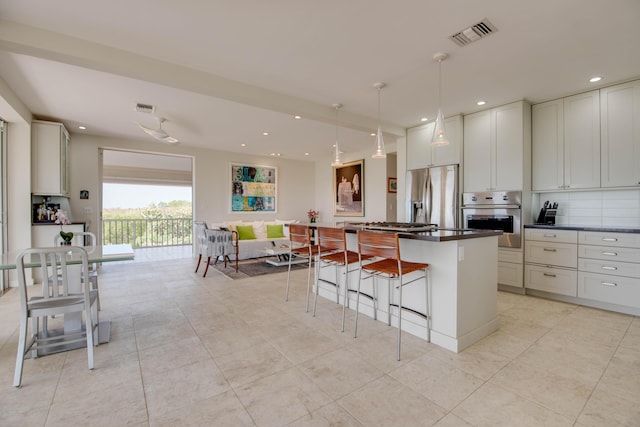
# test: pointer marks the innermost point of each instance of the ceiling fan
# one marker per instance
(159, 133)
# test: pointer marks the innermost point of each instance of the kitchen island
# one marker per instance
(464, 277)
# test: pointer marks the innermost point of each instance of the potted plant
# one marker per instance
(63, 219)
(313, 215)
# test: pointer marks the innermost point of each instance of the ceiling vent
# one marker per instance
(476, 32)
(145, 108)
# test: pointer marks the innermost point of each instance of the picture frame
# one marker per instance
(84, 194)
(253, 188)
(348, 189)
(392, 185)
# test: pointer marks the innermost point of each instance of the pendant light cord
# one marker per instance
(439, 83)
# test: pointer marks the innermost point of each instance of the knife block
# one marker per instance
(550, 216)
(547, 216)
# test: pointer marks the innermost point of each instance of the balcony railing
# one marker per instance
(147, 233)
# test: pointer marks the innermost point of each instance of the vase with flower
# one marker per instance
(63, 219)
(313, 215)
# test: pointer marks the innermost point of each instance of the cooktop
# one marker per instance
(406, 227)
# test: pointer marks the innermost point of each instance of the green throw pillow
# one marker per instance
(274, 231)
(245, 232)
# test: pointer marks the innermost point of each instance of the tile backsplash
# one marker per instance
(616, 208)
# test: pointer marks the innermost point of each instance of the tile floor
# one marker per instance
(191, 351)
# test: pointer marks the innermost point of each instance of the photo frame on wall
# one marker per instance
(253, 188)
(348, 189)
(392, 185)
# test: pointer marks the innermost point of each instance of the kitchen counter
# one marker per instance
(604, 229)
(438, 235)
(464, 277)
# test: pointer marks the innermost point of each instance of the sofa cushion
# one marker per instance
(275, 231)
(259, 229)
(285, 230)
(245, 232)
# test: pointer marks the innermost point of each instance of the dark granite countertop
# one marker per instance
(605, 229)
(440, 235)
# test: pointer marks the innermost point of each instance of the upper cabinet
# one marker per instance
(566, 143)
(49, 158)
(620, 135)
(420, 153)
(496, 148)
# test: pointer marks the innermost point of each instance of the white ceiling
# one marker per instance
(224, 71)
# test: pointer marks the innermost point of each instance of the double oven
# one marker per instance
(495, 210)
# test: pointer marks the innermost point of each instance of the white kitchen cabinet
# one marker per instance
(42, 235)
(510, 267)
(620, 135)
(49, 158)
(609, 268)
(420, 153)
(496, 145)
(566, 143)
(551, 261)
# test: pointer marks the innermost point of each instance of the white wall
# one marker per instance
(615, 208)
(375, 187)
(211, 187)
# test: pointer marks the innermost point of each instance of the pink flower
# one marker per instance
(62, 218)
(313, 214)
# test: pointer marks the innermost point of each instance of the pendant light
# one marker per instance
(337, 161)
(439, 135)
(380, 152)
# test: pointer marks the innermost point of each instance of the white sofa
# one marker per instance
(254, 248)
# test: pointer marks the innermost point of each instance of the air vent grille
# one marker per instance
(145, 108)
(477, 31)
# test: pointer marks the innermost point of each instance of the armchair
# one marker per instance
(216, 243)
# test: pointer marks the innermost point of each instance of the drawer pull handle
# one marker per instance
(550, 235)
(609, 239)
(549, 275)
(609, 284)
(610, 253)
(549, 250)
(606, 267)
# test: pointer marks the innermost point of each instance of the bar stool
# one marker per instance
(390, 266)
(301, 246)
(332, 251)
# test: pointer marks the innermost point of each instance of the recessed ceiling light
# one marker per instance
(595, 79)
(372, 134)
(306, 154)
(243, 145)
(265, 133)
(424, 119)
(297, 117)
(82, 127)
(481, 102)
(276, 154)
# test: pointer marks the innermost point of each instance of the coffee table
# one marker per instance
(282, 256)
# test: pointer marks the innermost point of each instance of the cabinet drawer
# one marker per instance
(510, 255)
(554, 280)
(547, 235)
(611, 289)
(629, 240)
(557, 254)
(510, 274)
(628, 269)
(609, 253)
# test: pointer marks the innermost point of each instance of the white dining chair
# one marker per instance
(59, 299)
(80, 239)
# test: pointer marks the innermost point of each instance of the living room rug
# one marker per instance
(252, 268)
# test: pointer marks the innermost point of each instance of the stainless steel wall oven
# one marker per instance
(495, 210)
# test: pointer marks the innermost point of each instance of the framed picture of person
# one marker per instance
(392, 185)
(253, 188)
(348, 189)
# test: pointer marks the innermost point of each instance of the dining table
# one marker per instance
(73, 321)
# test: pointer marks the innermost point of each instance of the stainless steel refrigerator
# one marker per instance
(432, 196)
